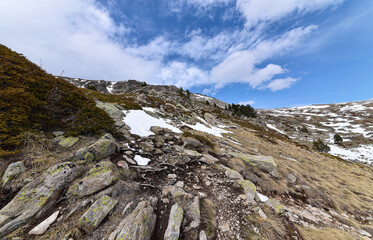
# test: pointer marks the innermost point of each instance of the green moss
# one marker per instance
(31, 99)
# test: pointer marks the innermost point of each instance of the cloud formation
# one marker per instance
(81, 38)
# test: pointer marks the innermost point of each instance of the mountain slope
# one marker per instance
(352, 121)
(178, 168)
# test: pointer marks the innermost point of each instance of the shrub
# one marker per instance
(320, 146)
(337, 139)
(245, 110)
(304, 129)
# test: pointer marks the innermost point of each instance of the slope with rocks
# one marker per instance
(353, 121)
(178, 168)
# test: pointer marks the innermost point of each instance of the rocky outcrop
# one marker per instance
(139, 224)
(102, 175)
(115, 111)
(174, 223)
(13, 171)
(96, 213)
(264, 163)
(230, 173)
(103, 148)
(36, 197)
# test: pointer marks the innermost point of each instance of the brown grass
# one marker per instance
(324, 234)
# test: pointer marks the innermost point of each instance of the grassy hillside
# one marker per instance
(32, 100)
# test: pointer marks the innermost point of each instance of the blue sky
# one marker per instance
(268, 53)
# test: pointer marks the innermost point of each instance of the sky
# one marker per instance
(266, 53)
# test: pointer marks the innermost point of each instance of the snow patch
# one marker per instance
(207, 129)
(263, 198)
(274, 128)
(141, 161)
(140, 123)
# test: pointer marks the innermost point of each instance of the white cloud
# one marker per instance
(280, 84)
(250, 102)
(241, 66)
(256, 11)
(75, 36)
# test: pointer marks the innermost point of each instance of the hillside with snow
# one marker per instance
(353, 121)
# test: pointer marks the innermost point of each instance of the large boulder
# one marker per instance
(37, 197)
(174, 223)
(230, 173)
(264, 163)
(13, 171)
(102, 175)
(139, 225)
(96, 213)
(210, 119)
(115, 111)
(103, 148)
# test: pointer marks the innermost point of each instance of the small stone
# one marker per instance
(43, 226)
(13, 170)
(179, 184)
(202, 235)
(122, 164)
(208, 183)
(128, 153)
(196, 187)
(171, 176)
(129, 160)
(291, 178)
(58, 133)
(203, 167)
(224, 227)
(165, 200)
(242, 196)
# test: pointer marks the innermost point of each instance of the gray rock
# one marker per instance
(36, 197)
(96, 213)
(139, 225)
(207, 158)
(265, 163)
(230, 173)
(101, 176)
(68, 142)
(193, 214)
(192, 142)
(43, 226)
(174, 223)
(249, 188)
(276, 206)
(115, 111)
(103, 148)
(13, 171)
(291, 178)
(210, 119)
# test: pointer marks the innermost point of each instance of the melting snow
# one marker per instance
(140, 123)
(141, 161)
(274, 128)
(364, 153)
(263, 198)
(110, 88)
(211, 130)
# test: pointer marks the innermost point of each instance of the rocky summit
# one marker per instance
(145, 162)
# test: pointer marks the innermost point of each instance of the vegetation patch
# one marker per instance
(32, 100)
(200, 138)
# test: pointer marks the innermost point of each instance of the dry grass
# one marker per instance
(324, 234)
(36, 142)
(342, 185)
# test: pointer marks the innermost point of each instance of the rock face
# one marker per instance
(249, 189)
(174, 223)
(43, 226)
(102, 175)
(264, 163)
(36, 197)
(96, 213)
(103, 148)
(139, 224)
(13, 170)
